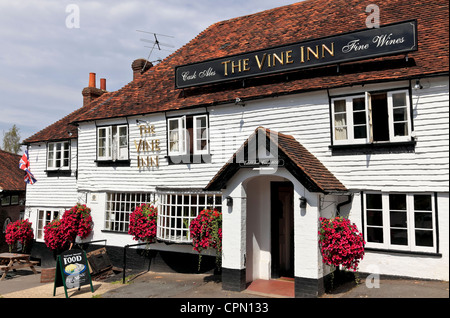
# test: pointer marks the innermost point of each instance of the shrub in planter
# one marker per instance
(206, 232)
(341, 244)
(143, 223)
(19, 231)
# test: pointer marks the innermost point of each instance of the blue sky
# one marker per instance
(47, 51)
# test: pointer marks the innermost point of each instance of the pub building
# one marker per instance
(276, 119)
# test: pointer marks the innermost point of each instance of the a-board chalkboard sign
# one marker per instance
(72, 271)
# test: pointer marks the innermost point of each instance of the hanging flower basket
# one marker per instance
(54, 236)
(143, 223)
(77, 222)
(21, 232)
(340, 243)
(206, 232)
(60, 233)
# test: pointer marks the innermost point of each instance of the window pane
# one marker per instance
(423, 220)
(360, 132)
(400, 114)
(374, 217)
(339, 106)
(399, 237)
(359, 118)
(400, 129)
(374, 201)
(399, 99)
(375, 234)
(398, 219)
(397, 202)
(422, 202)
(424, 238)
(359, 103)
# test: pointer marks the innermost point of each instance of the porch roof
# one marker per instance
(301, 163)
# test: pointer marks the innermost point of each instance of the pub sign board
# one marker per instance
(389, 39)
(72, 271)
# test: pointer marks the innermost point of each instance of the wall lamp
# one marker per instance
(229, 201)
(239, 101)
(302, 203)
(418, 85)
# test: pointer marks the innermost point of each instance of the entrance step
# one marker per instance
(279, 288)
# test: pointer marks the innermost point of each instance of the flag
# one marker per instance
(24, 164)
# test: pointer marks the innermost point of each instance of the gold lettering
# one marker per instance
(279, 59)
(138, 147)
(226, 69)
(302, 55)
(154, 161)
(245, 66)
(238, 66)
(155, 145)
(325, 48)
(289, 57)
(260, 63)
(316, 53)
(268, 60)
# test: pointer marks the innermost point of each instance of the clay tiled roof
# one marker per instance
(155, 91)
(296, 159)
(11, 176)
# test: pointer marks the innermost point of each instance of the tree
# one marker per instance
(11, 140)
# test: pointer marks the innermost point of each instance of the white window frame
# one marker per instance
(202, 136)
(349, 121)
(410, 221)
(176, 210)
(53, 161)
(44, 217)
(177, 135)
(115, 144)
(369, 121)
(119, 206)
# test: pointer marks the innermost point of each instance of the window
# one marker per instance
(58, 154)
(400, 221)
(6, 200)
(188, 135)
(45, 217)
(119, 206)
(177, 210)
(371, 118)
(112, 143)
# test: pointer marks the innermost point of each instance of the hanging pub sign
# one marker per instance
(364, 44)
(72, 271)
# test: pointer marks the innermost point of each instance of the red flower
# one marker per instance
(340, 243)
(143, 223)
(19, 231)
(77, 221)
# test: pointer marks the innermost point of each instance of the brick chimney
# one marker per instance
(140, 66)
(92, 92)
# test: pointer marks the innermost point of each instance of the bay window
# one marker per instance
(112, 143)
(371, 118)
(400, 221)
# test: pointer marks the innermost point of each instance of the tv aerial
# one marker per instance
(156, 44)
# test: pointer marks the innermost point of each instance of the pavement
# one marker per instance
(25, 284)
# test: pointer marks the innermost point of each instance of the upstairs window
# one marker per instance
(112, 143)
(58, 155)
(371, 118)
(188, 135)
